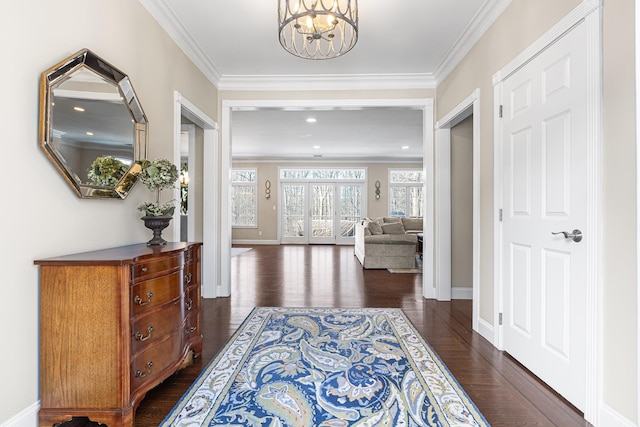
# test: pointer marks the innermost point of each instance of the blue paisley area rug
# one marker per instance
(327, 367)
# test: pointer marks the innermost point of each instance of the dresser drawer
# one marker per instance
(155, 292)
(150, 364)
(191, 299)
(191, 274)
(151, 328)
(191, 326)
(192, 254)
(144, 270)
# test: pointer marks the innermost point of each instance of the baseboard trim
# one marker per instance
(611, 418)
(25, 418)
(461, 292)
(485, 329)
(254, 242)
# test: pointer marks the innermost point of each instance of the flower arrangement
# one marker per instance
(106, 171)
(157, 175)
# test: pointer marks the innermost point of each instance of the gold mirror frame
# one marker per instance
(116, 115)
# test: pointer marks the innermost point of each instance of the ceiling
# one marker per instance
(401, 44)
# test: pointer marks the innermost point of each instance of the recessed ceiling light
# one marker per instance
(311, 120)
(405, 147)
(316, 147)
(90, 133)
(80, 109)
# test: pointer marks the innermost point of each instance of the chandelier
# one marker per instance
(318, 29)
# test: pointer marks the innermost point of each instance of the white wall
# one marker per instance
(40, 216)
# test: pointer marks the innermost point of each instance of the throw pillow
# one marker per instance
(393, 228)
(412, 223)
(392, 220)
(375, 228)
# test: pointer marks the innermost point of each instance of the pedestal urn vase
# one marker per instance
(156, 224)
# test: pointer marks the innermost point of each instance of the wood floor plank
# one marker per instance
(330, 276)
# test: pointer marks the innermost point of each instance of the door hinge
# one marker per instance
(500, 111)
(500, 215)
(500, 319)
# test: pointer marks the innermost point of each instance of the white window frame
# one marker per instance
(254, 185)
(404, 185)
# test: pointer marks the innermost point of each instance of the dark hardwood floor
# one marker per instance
(330, 276)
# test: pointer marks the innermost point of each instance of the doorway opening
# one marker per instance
(468, 108)
(229, 106)
(201, 157)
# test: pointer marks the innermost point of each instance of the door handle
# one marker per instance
(576, 235)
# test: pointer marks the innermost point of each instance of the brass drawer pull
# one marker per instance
(188, 277)
(190, 329)
(139, 301)
(139, 336)
(140, 374)
(189, 304)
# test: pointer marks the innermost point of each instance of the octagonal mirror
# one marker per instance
(92, 126)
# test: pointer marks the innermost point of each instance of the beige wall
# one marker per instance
(521, 24)
(267, 229)
(462, 204)
(41, 216)
(619, 241)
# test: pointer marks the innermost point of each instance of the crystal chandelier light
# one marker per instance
(318, 29)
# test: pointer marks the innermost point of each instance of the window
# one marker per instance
(244, 198)
(405, 192)
(332, 174)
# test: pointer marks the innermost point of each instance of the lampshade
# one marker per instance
(318, 29)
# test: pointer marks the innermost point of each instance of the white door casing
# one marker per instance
(547, 180)
(188, 132)
(468, 107)
(211, 251)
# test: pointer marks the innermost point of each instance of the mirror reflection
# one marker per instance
(92, 125)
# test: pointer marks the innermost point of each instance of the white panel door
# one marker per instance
(322, 214)
(294, 213)
(544, 157)
(350, 203)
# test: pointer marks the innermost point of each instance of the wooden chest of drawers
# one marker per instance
(115, 323)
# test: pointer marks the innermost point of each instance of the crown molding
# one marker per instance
(163, 14)
(302, 161)
(486, 16)
(328, 82)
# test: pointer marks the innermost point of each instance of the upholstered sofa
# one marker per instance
(387, 242)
